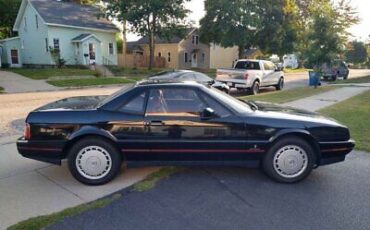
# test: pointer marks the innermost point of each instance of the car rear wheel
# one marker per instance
(289, 160)
(94, 161)
(255, 88)
(280, 84)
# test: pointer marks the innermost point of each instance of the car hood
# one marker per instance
(285, 112)
(74, 103)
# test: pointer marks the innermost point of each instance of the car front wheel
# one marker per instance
(94, 161)
(289, 160)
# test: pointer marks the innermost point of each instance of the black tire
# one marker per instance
(270, 161)
(255, 88)
(280, 84)
(107, 152)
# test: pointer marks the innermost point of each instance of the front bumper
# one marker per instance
(332, 152)
(45, 151)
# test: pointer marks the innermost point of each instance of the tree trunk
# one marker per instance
(151, 50)
(241, 52)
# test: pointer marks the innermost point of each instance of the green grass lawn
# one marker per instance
(42, 222)
(354, 113)
(90, 82)
(39, 74)
(365, 79)
(289, 95)
(287, 70)
(134, 72)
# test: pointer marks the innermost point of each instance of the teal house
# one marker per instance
(81, 37)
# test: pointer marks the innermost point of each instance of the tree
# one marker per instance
(278, 31)
(230, 23)
(356, 52)
(324, 39)
(8, 14)
(86, 2)
(151, 18)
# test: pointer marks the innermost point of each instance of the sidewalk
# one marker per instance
(15, 83)
(29, 188)
(320, 101)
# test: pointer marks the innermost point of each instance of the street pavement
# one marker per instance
(332, 197)
(29, 188)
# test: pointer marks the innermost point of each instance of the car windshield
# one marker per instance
(234, 103)
(116, 94)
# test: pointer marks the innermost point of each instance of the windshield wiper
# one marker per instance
(251, 104)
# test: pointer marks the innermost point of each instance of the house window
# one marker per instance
(169, 57)
(186, 57)
(25, 23)
(37, 21)
(46, 44)
(159, 54)
(203, 57)
(56, 44)
(195, 39)
(111, 50)
(14, 56)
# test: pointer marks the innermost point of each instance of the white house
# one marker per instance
(290, 61)
(74, 29)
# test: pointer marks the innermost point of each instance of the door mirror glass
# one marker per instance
(208, 113)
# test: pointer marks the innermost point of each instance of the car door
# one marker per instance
(177, 132)
(128, 127)
(268, 74)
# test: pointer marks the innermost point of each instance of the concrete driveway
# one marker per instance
(332, 197)
(15, 83)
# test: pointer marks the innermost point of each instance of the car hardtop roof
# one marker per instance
(167, 83)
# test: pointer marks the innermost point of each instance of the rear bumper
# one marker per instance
(235, 83)
(332, 152)
(45, 151)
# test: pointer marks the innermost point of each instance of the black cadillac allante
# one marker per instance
(183, 123)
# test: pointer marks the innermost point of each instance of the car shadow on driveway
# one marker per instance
(332, 197)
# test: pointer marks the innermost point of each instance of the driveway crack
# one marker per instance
(61, 186)
(227, 188)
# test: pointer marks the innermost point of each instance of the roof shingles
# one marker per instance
(71, 14)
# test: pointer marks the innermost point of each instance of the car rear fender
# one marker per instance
(301, 133)
(86, 131)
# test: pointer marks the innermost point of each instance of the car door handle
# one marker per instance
(155, 123)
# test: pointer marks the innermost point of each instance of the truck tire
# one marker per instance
(280, 84)
(255, 88)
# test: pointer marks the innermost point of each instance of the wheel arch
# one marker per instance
(303, 134)
(89, 131)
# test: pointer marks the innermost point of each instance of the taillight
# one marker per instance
(27, 132)
(246, 76)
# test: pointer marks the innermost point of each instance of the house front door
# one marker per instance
(92, 53)
(194, 60)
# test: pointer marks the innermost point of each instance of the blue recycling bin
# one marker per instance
(314, 78)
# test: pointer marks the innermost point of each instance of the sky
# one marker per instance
(360, 31)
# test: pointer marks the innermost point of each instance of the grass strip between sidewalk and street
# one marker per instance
(365, 79)
(40, 74)
(153, 178)
(289, 95)
(354, 113)
(42, 222)
(90, 82)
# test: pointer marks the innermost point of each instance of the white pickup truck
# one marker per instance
(251, 75)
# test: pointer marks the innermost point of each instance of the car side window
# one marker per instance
(220, 110)
(135, 105)
(174, 102)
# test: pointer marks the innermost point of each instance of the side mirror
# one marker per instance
(278, 69)
(208, 113)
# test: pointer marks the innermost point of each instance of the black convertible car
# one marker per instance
(180, 124)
